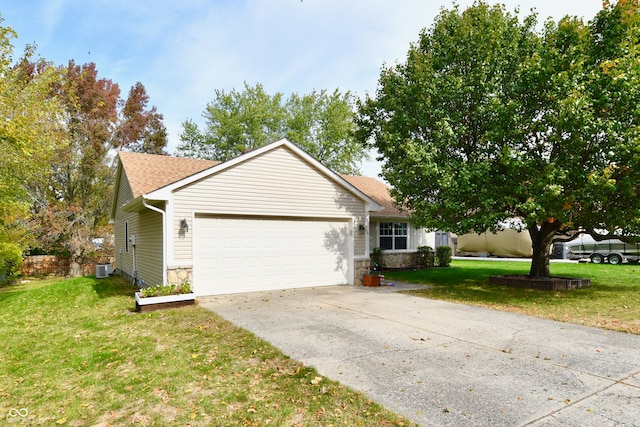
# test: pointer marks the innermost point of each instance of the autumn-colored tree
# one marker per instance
(70, 212)
(140, 130)
(74, 208)
(490, 119)
(30, 135)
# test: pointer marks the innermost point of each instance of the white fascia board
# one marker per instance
(373, 206)
(138, 204)
(133, 205)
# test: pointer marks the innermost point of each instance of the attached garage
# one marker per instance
(242, 254)
(272, 218)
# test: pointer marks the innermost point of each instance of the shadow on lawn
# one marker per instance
(15, 288)
(472, 284)
(113, 287)
(454, 276)
(11, 290)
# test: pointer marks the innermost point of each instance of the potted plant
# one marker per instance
(374, 278)
(164, 296)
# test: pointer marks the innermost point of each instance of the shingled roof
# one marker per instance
(378, 191)
(149, 172)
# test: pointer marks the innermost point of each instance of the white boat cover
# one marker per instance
(506, 243)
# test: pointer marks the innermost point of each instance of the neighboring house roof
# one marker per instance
(149, 172)
(378, 191)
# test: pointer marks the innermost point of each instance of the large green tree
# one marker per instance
(321, 123)
(31, 132)
(490, 119)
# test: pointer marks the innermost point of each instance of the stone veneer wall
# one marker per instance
(362, 267)
(178, 275)
(400, 259)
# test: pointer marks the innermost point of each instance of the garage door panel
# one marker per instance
(247, 254)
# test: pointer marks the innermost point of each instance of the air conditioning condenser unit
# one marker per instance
(103, 271)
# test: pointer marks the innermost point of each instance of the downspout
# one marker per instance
(164, 238)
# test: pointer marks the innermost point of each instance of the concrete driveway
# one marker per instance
(443, 364)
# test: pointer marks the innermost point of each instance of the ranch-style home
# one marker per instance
(272, 218)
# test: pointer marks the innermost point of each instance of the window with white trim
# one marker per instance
(126, 236)
(393, 235)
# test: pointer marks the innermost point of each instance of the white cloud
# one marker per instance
(51, 14)
(182, 51)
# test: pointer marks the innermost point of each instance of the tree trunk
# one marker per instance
(541, 240)
(75, 264)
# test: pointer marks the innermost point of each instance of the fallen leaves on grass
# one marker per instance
(184, 366)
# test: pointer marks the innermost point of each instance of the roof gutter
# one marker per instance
(164, 238)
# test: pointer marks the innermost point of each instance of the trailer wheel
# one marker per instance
(615, 259)
(597, 258)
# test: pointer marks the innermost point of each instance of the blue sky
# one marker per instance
(183, 50)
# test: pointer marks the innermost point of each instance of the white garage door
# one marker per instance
(249, 254)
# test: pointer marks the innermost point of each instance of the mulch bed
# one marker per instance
(547, 284)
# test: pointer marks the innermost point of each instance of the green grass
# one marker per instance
(73, 353)
(611, 302)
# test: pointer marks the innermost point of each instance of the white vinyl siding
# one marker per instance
(146, 255)
(359, 240)
(146, 225)
(276, 183)
(420, 237)
(125, 195)
(149, 247)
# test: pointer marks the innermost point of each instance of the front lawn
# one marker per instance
(73, 353)
(611, 302)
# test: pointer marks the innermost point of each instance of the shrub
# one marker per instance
(377, 259)
(426, 256)
(164, 290)
(10, 259)
(444, 256)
